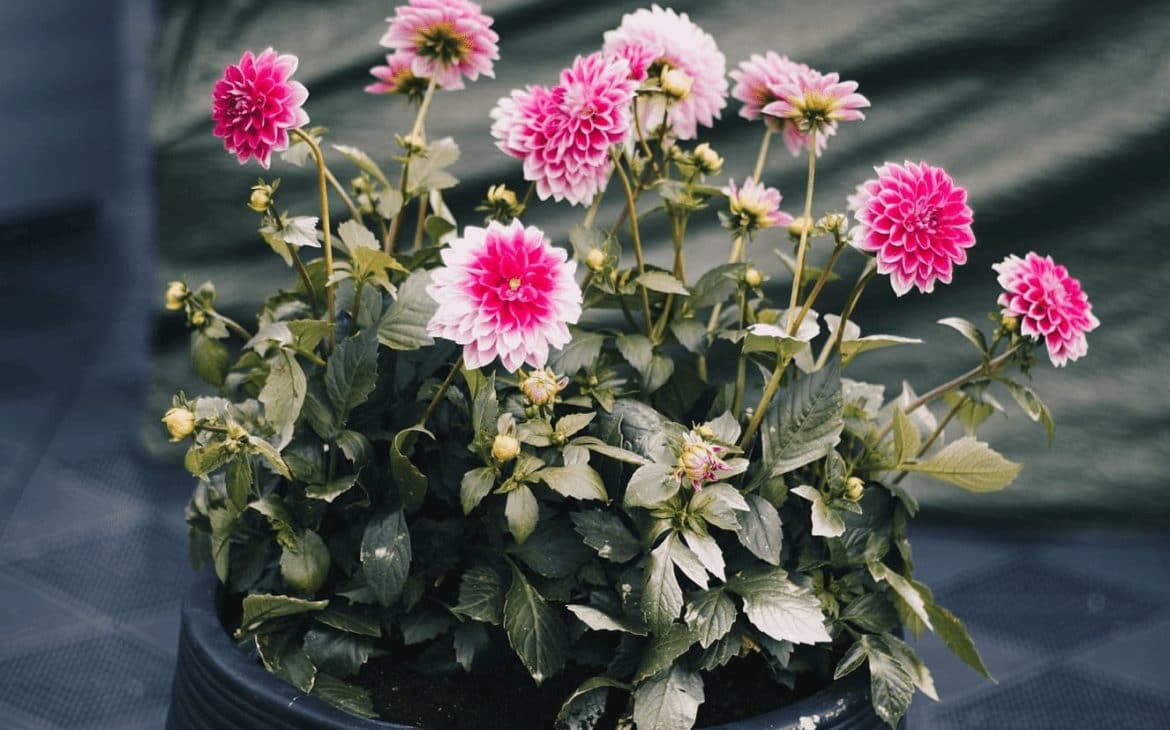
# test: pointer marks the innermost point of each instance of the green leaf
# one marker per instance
(954, 634)
(651, 485)
(970, 464)
(522, 512)
(779, 607)
(344, 695)
(436, 227)
(607, 534)
(661, 281)
(891, 681)
(717, 285)
(404, 325)
(581, 352)
(475, 486)
(760, 529)
(351, 621)
(209, 357)
(969, 331)
(685, 560)
(662, 596)
(905, 590)
(637, 350)
(826, 521)
(1035, 409)
(710, 615)
(660, 370)
(872, 613)
(352, 373)
(852, 661)
(469, 640)
(260, 608)
(282, 655)
(481, 596)
(586, 706)
(534, 630)
(691, 334)
(270, 455)
(428, 171)
(385, 556)
(613, 452)
(552, 550)
(707, 551)
(283, 395)
(363, 161)
(202, 460)
(579, 481)
(412, 483)
(338, 653)
(664, 648)
(331, 490)
(305, 563)
(907, 440)
(805, 422)
(720, 505)
(601, 621)
(570, 424)
(668, 701)
(424, 623)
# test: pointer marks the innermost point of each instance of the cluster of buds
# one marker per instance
(699, 460)
(501, 204)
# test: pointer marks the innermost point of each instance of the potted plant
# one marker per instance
(462, 476)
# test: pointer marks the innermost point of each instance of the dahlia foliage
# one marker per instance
(499, 449)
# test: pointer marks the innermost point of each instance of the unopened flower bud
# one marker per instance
(412, 142)
(541, 387)
(595, 259)
(676, 83)
(707, 160)
(198, 318)
(501, 195)
(1010, 322)
(180, 423)
(236, 432)
(176, 295)
(752, 277)
(834, 223)
(854, 487)
(798, 226)
(261, 198)
(699, 461)
(505, 448)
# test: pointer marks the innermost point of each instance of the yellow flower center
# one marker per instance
(442, 42)
(513, 284)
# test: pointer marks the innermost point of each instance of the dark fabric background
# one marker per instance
(1053, 113)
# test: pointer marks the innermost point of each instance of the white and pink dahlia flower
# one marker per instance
(916, 221)
(809, 103)
(1049, 304)
(397, 77)
(506, 292)
(445, 40)
(564, 134)
(754, 206)
(255, 103)
(673, 41)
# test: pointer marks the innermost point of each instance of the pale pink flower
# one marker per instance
(1049, 303)
(701, 462)
(255, 103)
(674, 42)
(754, 206)
(504, 292)
(810, 102)
(754, 79)
(564, 134)
(445, 39)
(396, 77)
(917, 222)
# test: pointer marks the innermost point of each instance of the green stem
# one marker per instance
(322, 184)
(938, 430)
(765, 400)
(762, 156)
(357, 300)
(415, 132)
(442, 392)
(807, 221)
(866, 274)
(633, 215)
(741, 364)
(353, 211)
(232, 325)
(304, 274)
(820, 283)
(420, 225)
(642, 140)
(527, 197)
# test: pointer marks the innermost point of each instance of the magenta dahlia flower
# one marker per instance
(809, 102)
(917, 222)
(564, 134)
(1049, 303)
(504, 292)
(701, 462)
(445, 40)
(754, 206)
(674, 42)
(397, 77)
(255, 103)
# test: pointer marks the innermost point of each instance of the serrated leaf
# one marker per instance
(613, 452)
(1031, 404)
(385, 556)
(202, 460)
(521, 512)
(661, 281)
(281, 654)
(664, 648)
(826, 521)
(283, 395)
(581, 352)
(691, 334)
(954, 634)
(907, 440)
(475, 485)
(481, 595)
(760, 530)
(305, 562)
(352, 373)
(579, 481)
(424, 623)
(905, 590)
(720, 505)
(534, 630)
(716, 285)
(331, 490)
(404, 325)
(469, 640)
(872, 613)
(356, 447)
(552, 550)
(363, 161)
(969, 331)
(259, 608)
(779, 607)
(586, 706)
(707, 551)
(335, 652)
(710, 615)
(637, 351)
(970, 464)
(852, 660)
(270, 455)
(805, 421)
(657, 374)
(685, 560)
(668, 701)
(351, 698)
(607, 534)
(349, 620)
(570, 424)
(601, 621)
(412, 483)
(210, 358)
(662, 596)
(651, 485)
(891, 682)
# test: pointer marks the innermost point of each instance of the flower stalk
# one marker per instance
(327, 242)
(633, 215)
(802, 249)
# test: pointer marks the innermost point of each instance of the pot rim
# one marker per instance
(214, 649)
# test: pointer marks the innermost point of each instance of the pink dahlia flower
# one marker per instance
(1049, 303)
(754, 206)
(700, 461)
(397, 77)
(754, 79)
(505, 292)
(563, 134)
(809, 102)
(917, 222)
(674, 42)
(255, 103)
(445, 40)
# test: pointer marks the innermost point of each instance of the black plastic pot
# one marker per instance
(217, 687)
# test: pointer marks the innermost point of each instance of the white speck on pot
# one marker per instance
(809, 723)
